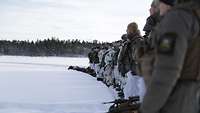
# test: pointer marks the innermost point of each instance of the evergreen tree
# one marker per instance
(47, 47)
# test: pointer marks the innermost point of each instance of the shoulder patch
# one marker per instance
(166, 43)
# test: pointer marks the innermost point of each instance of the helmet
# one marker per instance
(169, 2)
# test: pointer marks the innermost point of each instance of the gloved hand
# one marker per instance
(133, 73)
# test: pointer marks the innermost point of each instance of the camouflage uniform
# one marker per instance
(127, 56)
(109, 67)
(175, 84)
(147, 59)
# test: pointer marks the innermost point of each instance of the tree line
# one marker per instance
(47, 47)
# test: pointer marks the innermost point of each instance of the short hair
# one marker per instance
(132, 27)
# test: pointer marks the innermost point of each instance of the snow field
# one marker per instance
(44, 85)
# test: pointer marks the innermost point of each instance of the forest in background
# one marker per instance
(48, 47)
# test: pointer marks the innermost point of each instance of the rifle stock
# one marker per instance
(128, 108)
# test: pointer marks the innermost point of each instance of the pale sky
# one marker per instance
(103, 20)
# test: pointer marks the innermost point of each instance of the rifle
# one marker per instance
(124, 105)
(118, 101)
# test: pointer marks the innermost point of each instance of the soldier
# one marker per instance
(126, 59)
(175, 84)
(101, 56)
(90, 57)
(117, 76)
(121, 60)
(109, 67)
(95, 58)
(148, 58)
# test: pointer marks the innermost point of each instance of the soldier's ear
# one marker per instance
(166, 43)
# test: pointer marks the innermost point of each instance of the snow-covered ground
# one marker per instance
(44, 85)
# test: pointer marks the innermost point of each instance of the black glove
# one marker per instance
(133, 73)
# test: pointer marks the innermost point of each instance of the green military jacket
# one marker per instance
(127, 59)
(173, 39)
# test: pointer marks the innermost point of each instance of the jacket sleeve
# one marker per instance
(171, 46)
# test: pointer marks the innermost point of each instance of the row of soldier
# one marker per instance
(116, 64)
(167, 57)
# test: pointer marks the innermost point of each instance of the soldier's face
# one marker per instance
(164, 8)
(129, 30)
(152, 10)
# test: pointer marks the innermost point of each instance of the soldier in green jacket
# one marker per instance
(175, 82)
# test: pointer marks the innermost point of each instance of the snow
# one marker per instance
(54, 61)
(44, 85)
(135, 86)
